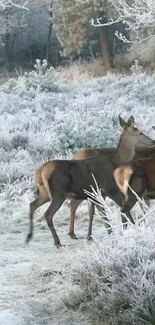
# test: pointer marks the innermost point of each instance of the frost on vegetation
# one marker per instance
(136, 68)
(19, 140)
(114, 278)
(11, 190)
(111, 280)
(40, 80)
(41, 125)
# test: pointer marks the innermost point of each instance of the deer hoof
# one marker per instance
(58, 245)
(90, 238)
(110, 231)
(72, 235)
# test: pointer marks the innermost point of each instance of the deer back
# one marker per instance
(86, 153)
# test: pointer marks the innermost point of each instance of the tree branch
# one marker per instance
(7, 4)
(135, 14)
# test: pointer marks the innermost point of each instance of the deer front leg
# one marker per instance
(91, 209)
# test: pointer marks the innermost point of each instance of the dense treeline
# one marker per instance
(60, 31)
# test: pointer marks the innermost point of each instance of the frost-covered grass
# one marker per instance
(42, 118)
(113, 280)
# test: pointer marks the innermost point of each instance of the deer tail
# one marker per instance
(42, 176)
(45, 180)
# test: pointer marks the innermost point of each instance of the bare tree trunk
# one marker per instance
(49, 37)
(8, 41)
(7, 47)
(105, 48)
(48, 43)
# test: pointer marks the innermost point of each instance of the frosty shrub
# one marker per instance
(19, 140)
(136, 68)
(40, 80)
(113, 279)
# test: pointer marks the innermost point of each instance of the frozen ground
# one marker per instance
(30, 272)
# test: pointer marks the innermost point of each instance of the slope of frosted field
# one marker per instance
(41, 119)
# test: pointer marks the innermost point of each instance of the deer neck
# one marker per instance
(125, 152)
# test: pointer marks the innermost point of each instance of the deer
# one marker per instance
(104, 152)
(140, 175)
(85, 153)
(58, 180)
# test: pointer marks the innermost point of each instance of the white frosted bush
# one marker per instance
(116, 278)
(35, 81)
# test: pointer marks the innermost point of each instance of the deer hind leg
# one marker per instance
(34, 205)
(74, 206)
(139, 185)
(146, 200)
(55, 205)
(125, 208)
(91, 209)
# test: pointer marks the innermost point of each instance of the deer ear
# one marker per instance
(131, 121)
(153, 127)
(122, 123)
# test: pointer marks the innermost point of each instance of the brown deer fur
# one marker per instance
(83, 154)
(86, 153)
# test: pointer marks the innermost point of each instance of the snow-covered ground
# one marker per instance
(42, 119)
(24, 271)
